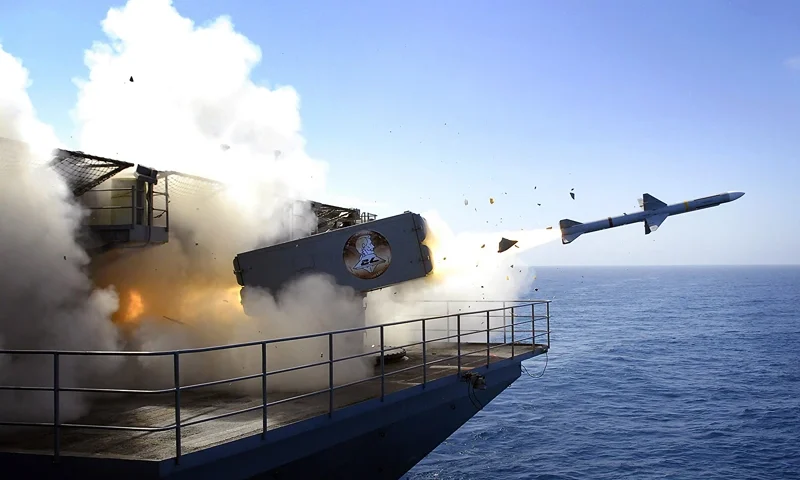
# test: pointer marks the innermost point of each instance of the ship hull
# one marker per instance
(389, 449)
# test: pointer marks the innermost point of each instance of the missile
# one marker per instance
(653, 214)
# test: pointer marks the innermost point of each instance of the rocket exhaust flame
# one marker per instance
(131, 307)
(465, 251)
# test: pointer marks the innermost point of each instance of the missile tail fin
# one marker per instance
(564, 225)
(565, 239)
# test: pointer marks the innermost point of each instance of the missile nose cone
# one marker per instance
(735, 195)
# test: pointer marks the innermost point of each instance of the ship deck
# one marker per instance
(159, 410)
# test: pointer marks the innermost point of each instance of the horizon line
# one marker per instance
(672, 265)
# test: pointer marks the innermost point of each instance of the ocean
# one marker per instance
(653, 372)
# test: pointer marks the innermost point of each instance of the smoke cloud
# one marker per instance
(192, 107)
(47, 299)
(166, 93)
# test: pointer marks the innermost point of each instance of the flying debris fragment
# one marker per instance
(131, 80)
(572, 194)
(174, 320)
(491, 201)
(466, 202)
(505, 244)
(549, 228)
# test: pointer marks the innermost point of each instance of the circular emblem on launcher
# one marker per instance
(367, 254)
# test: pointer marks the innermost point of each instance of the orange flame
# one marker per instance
(131, 307)
(220, 303)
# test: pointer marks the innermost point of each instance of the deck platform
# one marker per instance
(159, 410)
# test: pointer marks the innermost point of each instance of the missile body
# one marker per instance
(653, 214)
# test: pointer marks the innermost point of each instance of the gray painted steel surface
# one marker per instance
(366, 257)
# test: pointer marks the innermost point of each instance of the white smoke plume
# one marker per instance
(47, 298)
(176, 96)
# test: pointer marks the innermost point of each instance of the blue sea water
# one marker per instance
(654, 372)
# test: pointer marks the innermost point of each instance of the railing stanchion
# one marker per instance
(166, 201)
(547, 312)
(176, 368)
(488, 318)
(458, 341)
(533, 327)
(330, 375)
(424, 357)
(134, 206)
(447, 318)
(512, 331)
(263, 390)
(56, 409)
(383, 367)
(505, 324)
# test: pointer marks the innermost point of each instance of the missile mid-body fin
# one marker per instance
(650, 202)
(651, 224)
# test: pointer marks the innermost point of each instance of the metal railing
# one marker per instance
(102, 213)
(508, 307)
(515, 313)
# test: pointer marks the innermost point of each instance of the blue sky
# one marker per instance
(520, 101)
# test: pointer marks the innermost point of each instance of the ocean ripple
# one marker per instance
(668, 372)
